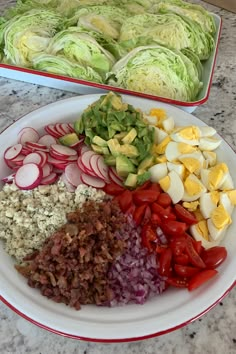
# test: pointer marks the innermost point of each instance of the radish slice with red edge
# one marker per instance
(84, 148)
(94, 166)
(65, 128)
(33, 157)
(59, 129)
(81, 166)
(85, 158)
(44, 156)
(51, 131)
(28, 134)
(28, 176)
(49, 179)
(46, 170)
(114, 178)
(113, 170)
(12, 152)
(36, 146)
(9, 179)
(71, 127)
(103, 168)
(73, 174)
(92, 181)
(47, 140)
(62, 150)
(77, 144)
(18, 158)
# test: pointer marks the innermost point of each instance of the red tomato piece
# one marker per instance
(214, 256)
(200, 278)
(125, 200)
(139, 213)
(148, 236)
(167, 215)
(164, 200)
(178, 245)
(194, 257)
(145, 196)
(113, 189)
(145, 185)
(160, 249)
(177, 282)
(198, 246)
(174, 228)
(147, 215)
(156, 208)
(182, 259)
(165, 262)
(155, 187)
(185, 215)
(185, 271)
(155, 220)
(131, 210)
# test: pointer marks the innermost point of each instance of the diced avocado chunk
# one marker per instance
(78, 126)
(128, 150)
(110, 160)
(129, 138)
(146, 163)
(131, 180)
(120, 135)
(114, 146)
(124, 166)
(69, 139)
(145, 176)
(99, 141)
(96, 148)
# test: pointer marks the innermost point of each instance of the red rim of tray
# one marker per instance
(119, 89)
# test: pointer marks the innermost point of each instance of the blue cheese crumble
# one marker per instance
(29, 217)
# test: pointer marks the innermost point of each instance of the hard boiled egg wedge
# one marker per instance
(193, 162)
(158, 171)
(177, 167)
(214, 177)
(193, 188)
(200, 232)
(174, 150)
(159, 135)
(173, 185)
(209, 143)
(210, 158)
(207, 131)
(188, 134)
(208, 202)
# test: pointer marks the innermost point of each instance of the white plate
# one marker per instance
(169, 311)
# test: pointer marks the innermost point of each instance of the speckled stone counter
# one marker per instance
(215, 332)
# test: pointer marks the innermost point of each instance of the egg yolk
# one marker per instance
(190, 133)
(220, 217)
(185, 148)
(192, 187)
(232, 196)
(161, 148)
(215, 197)
(159, 113)
(191, 164)
(203, 229)
(216, 174)
(191, 206)
(165, 183)
(160, 159)
(198, 215)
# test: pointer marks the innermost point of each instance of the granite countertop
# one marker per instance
(215, 332)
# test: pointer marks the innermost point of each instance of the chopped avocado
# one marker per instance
(96, 148)
(114, 146)
(105, 150)
(120, 135)
(110, 160)
(129, 138)
(145, 176)
(146, 163)
(124, 166)
(78, 126)
(69, 139)
(99, 141)
(128, 150)
(131, 180)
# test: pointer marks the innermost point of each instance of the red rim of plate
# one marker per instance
(119, 89)
(119, 340)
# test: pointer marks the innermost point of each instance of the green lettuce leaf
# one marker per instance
(57, 64)
(157, 70)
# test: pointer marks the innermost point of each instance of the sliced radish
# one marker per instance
(71, 127)
(12, 152)
(18, 158)
(94, 166)
(68, 185)
(44, 156)
(62, 150)
(84, 148)
(57, 170)
(9, 179)
(46, 170)
(36, 146)
(73, 174)
(25, 151)
(49, 179)
(85, 158)
(81, 166)
(47, 140)
(59, 129)
(50, 129)
(92, 181)
(28, 176)
(60, 166)
(33, 157)
(114, 178)
(77, 144)
(28, 134)
(103, 168)
(113, 170)
(65, 128)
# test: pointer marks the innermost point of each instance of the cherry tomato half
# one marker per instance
(201, 278)
(165, 262)
(139, 213)
(113, 189)
(125, 200)
(182, 259)
(185, 215)
(177, 282)
(185, 271)
(148, 236)
(194, 257)
(214, 256)
(164, 200)
(145, 196)
(174, 228)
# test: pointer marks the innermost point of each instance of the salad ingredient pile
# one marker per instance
(155, 47)
(157, 193)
